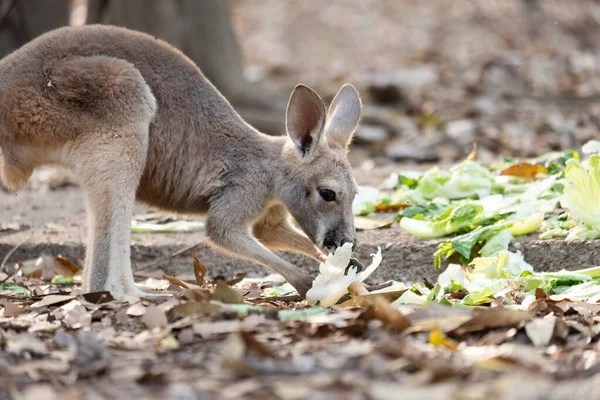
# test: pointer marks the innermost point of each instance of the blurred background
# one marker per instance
(518, 77)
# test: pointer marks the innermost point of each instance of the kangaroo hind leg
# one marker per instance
(109, 157)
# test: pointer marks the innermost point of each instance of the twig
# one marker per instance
(7, 256)
(155, 263)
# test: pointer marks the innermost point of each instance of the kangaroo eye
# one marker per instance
(327, 195)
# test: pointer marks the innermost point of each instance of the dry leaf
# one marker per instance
(390, 207)
(53, 300)
(196, 294)
(473, 154)
(236, 349)
(12, 310)
(200, 270)
(154, 317)
(76, 315)
(493, 318)
(391, 317)
(364, 223)
(540, 330)
(237, 278)
(363, 298)
(194, 309)
(226, 294)
(437, 338)
(136, 310)
(98, 297)
(524, 170)
(65, 267)
(176, 281)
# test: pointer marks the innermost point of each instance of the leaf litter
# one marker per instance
(249, 347)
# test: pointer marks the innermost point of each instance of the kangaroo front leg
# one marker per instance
(234, 238)
(275, 231)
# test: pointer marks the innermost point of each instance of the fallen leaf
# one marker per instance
(390, 207)
(237, 278)
(540, 330)
(194, 309)
(136, 310)
(493, 318)
(366, 300)
(176, 281)
(200, 270)
(196, 294)
(226, 294)
(524, 170)
(437, 338)
(12, 310)
(98, 297)
(236, 349)
(65, 267)
(53, 300)
(391, 317)
(364, 223)
(76, 316)
(540, 294)
(473, 154)
(154, 317)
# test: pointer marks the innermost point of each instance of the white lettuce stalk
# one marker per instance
(582, 197)
(332, 282)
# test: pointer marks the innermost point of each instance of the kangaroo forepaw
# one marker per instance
(302, 284)
(354, 263)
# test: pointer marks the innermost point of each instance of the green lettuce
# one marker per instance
(582, 197)
(454, 219)
(465, 180)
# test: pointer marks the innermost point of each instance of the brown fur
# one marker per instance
(136, 119)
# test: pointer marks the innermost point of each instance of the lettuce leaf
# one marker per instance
(455, 219)
(582, 197)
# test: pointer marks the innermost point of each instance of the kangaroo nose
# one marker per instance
(354, 242)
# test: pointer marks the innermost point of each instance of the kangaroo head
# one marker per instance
(318, 186)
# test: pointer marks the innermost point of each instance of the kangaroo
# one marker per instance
(135, 119)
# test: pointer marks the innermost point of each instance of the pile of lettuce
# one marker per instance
(480, 208)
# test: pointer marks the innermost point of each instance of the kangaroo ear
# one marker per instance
(304, 119)
(343, 115)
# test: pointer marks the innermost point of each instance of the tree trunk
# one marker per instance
(23, 20)
(203, 31)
